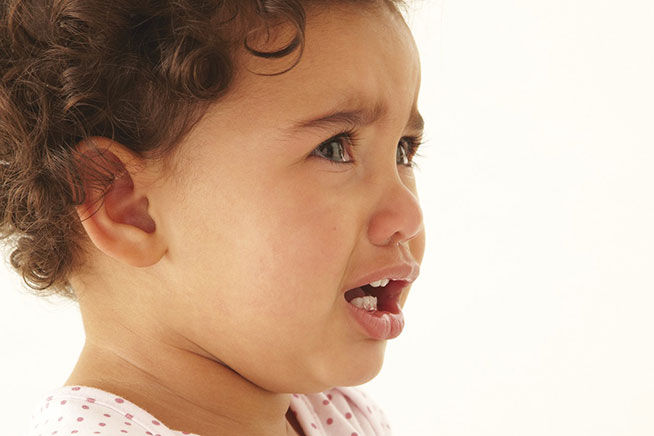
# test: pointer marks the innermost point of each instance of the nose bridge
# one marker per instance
(397, 216)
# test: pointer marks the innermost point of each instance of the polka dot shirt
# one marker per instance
(88, 411)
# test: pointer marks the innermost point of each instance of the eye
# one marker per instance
(333, 149)
(407, 151)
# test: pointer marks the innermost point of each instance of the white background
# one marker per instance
(532, 315)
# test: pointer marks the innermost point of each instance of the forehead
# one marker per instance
(352, 53)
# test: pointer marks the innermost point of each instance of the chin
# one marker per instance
(357, 369)
(351, 378)
(354, 365)
(360, 377)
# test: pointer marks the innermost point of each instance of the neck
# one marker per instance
(181, 385)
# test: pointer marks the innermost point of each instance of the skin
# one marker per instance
(214, 292)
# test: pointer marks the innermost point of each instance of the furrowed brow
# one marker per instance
(357, 117)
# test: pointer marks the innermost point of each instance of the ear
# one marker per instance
(118, 223)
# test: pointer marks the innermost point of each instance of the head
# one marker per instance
(179, 183)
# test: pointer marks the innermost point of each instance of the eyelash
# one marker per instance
(413, 143)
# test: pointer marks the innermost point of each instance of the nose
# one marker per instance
(398, 216)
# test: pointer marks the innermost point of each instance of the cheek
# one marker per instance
(303, 253)
(278, 243)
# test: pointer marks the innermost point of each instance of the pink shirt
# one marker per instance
(87, 411)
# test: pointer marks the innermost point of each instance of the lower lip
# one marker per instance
(378, 324)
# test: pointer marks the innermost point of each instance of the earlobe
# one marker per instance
(118, 222)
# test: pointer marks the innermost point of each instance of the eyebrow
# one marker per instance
(358, 117)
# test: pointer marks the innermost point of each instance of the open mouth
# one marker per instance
(381, 299)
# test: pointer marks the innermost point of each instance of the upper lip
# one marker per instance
(401, 271)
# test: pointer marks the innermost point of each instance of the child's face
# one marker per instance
(263, 238)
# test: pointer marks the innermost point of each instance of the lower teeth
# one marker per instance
(368, 302)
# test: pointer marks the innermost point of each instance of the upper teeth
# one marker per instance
(379, 283)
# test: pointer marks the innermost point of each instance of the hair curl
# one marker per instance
(140, 73)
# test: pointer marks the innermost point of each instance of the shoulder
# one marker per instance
(84, 411)
(341, 410)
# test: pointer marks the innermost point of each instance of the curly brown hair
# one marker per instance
(140, 73)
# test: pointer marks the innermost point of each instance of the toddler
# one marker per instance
(226, 188)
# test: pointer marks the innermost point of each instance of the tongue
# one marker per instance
(353, 293)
